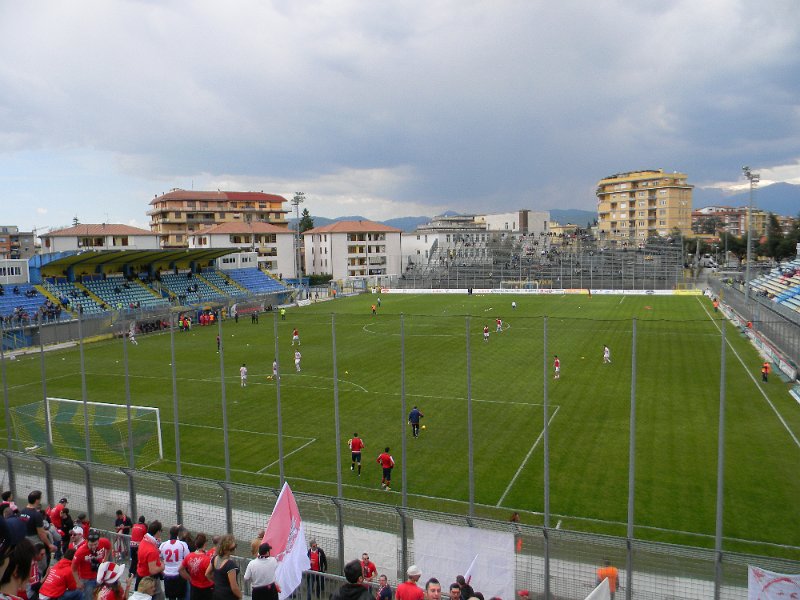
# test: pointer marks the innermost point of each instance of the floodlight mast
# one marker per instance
(297, 200)
(753, 178)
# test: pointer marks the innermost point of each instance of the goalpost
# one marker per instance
(60, 424)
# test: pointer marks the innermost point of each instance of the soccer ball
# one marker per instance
(347, 372)
(424, 427)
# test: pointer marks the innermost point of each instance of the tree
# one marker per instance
(306, 222)
(75, 221)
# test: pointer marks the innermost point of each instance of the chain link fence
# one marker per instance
(561, 562)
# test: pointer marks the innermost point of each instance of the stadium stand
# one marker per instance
(781, 284)
(23, 302)
(119, 293)
(256, 281)
(218, 280)
(74, 296)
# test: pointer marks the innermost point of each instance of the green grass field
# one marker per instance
(678, 362)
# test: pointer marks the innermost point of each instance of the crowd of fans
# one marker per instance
(45, 554)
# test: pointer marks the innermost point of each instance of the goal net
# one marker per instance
(60, 422)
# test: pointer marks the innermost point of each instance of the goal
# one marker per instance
(60, 423)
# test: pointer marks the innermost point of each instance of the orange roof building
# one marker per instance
(102, 236)
(352, 249)
(273, 245)
(174, 216)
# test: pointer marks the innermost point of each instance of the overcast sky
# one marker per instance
(386, 108)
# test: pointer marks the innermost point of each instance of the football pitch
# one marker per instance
(429, 350)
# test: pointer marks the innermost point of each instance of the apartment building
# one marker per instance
(179, 213)
(98, 236)
(352, 249)
(273, 245)
(16, 244)
(634, 206)
(729, 219)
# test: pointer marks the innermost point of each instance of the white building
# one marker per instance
(352, 249)
(274, 245)
(463, 239)
(103, 236)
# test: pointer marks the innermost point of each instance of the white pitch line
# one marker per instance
(525, 460)
(275, 462)
(183, 424)
(750, 375)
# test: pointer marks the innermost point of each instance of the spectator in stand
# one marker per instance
(75, 538)
(31, 515)
(319, 564)
(149, 559)
(173, 551)
(56, 514)
(384, 589)
(109, 586)
(88, 558)
(122, 525)
(409, 590)
(368, 568)
(36, 576)
(84, 523)
(66, 526)
(193, 569)
(147, 587)
(455, 591)
(466, 589)
(354, 589)
(223, 571)
(16, 559)
(255, 543)
(138, 532)
(59, 584)
(261, 575)
(433, 589)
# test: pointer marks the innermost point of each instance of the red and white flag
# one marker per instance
(470, 570)
(766, 585)
(287, 537)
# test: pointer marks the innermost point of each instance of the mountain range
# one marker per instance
(779, 198)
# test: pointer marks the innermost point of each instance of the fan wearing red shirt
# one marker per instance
(88, 557)
(138, 532)
(60, 582)
(150, 557)
(386, 462)
(356, 445)
(409, 590)
(56, 513)
(193, 569)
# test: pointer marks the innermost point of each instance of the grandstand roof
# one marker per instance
(178, 194)
(96, 229)
(353, 227)
(140, 257)
(241, 227)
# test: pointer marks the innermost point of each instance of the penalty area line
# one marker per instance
(275, 462)
(525, 460)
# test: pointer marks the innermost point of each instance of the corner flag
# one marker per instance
(285, 533)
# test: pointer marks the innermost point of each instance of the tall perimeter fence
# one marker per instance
(551, 561)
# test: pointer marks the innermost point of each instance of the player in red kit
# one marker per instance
(356, 445)
(386, 462)
(499, 323)
(556, 367)
(485, 333)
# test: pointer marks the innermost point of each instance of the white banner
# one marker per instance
(766, 585)
(445, 551)
(601, 592)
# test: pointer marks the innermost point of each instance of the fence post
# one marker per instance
(179, 499)
(403, 544)
(226, 488)
(48, 479)
(340, 532)
(89, 491)
(12, 481)
(134, 512)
